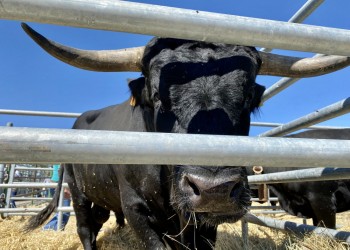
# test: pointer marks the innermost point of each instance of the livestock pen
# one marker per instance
(65, 146)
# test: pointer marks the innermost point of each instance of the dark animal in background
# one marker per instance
(186, 87)
(319, 200)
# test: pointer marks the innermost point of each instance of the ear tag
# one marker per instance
(132, 101)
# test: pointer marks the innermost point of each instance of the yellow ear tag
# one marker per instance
(132, 101)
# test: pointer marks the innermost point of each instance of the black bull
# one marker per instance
(319, 200)
(187, 87)
(159, 202)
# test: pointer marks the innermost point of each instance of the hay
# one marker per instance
(229, 237)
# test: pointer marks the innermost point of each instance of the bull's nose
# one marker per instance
(206, 192)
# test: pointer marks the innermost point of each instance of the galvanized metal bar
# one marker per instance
(263, 207)
(38, 113)
(60, 213)
(269, 212)
(337, 109)
(245, 234)
(277, 87)
(32, 145)
(297, 228)
(34, 169)
(188, 24)
(22, 214)
(75, 115)
(273, 125)
(270, 199)
(2, 174)
(21, 210)
(32, 185)
(306, 10)
(31, 199)
(313, 174)
(9, 190)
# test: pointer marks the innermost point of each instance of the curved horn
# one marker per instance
(130, 59)
(297, 67)
(102, 60)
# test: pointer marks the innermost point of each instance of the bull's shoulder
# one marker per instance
(120, 117)
(88, 118)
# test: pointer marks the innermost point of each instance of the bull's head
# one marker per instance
(198, 87)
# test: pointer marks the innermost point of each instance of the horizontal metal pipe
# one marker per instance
(309, 7)
(33, 145)
(273, 124)
(270, 199)
(38, 113)
(297, 228)
(337, 109)
(264, 207)
(188, 24)
(21, 214)
(30, 199)
(31, 185)
(21, 210)
(34, 169)
(35, 213)
(269, 212)
(31, 214)
(313, 174)
(75, 115)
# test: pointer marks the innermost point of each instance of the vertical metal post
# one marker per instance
(60, 213)
(8, 193)
(2, 166)
(245, 234)
(2, 176)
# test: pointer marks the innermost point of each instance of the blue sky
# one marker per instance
(30, 79)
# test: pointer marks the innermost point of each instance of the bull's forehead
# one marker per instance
(207, 62)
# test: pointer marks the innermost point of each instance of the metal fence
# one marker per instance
(188, 24)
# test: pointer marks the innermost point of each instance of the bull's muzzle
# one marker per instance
(211, 194)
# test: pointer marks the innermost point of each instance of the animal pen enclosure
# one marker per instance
(67, 146)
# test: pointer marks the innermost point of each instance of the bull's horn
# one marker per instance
(102, 60)
(297, 67)
(130, 59)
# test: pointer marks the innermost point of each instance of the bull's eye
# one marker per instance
(248, 100)
(156, 97)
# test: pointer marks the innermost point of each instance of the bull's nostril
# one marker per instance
(193, 186)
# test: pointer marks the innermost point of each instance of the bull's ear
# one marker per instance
(258, 92)
(137, 87)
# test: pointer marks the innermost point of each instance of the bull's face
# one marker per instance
(201, 88)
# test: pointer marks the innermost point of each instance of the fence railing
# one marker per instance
(189, 24)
